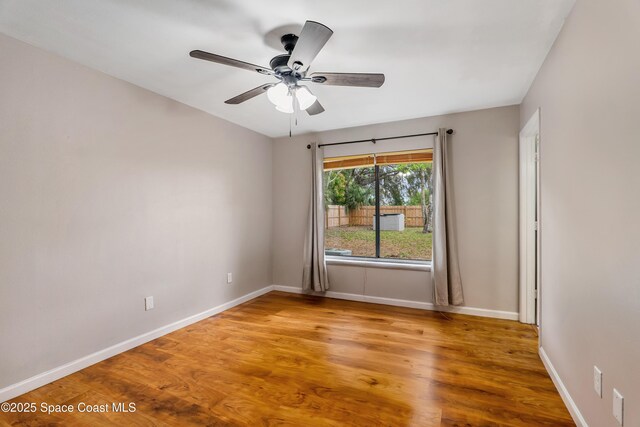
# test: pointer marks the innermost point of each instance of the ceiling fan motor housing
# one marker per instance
(289, 42)
(279, 64)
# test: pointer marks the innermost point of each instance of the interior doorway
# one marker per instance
(530, 224)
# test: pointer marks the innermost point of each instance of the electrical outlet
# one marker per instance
(597, 381)
(148, 303)
(618, 406)
(229, 278)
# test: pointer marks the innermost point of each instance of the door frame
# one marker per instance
(529, 221)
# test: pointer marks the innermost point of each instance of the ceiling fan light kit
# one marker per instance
(288, 95)
(282, 96)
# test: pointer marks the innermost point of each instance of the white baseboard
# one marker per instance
(291, 289)
(497, 314)
(51, 375)
(564, 393)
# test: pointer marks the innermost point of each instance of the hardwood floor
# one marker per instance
(292, 360)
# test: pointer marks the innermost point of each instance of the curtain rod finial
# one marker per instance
(309, 146)
(450, 131)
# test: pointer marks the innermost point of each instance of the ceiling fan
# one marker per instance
(289, 95)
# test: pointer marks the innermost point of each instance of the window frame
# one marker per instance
(370, 262)
(377, 260)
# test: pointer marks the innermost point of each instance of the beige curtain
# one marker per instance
(314, 274)
(445, 270)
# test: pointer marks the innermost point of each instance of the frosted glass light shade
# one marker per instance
(305, 97)
(286, 108)
(278, 94)
(280, 97)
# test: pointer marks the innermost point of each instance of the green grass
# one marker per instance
(411, 243)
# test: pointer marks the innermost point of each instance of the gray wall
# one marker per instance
(588, 91)
(484, 150)
(110, 193)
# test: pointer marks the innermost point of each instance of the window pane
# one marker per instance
(349, 200)
(405, 211)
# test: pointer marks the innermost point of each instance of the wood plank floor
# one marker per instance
(292, 360)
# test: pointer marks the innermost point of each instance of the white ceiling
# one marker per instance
(438, 56)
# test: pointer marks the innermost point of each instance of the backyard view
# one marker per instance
(405, 206)
(411, 243)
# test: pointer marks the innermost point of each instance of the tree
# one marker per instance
(357, 196)
(349, 187)
(405, 184)
(392, 185)
(335, 187)
(419, 180)
(425, 181)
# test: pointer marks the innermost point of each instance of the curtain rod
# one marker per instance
(374, 140)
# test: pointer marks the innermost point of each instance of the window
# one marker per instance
(379, 205)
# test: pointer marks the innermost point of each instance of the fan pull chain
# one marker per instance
(296, 110)
(293, 117)
(293, 99)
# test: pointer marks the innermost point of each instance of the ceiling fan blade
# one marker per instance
(312, 38)
(348, 79)
(199, 54)
(316, 108)
(249, 94)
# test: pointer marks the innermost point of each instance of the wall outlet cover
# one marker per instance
(618, 406)
(148, 303)
(229, 277)
(597, 381)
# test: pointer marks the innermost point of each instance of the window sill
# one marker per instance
(375, 263)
